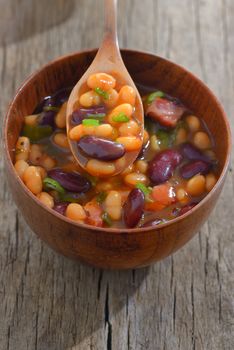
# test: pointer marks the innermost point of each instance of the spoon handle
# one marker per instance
(109, 46)
(111, 20)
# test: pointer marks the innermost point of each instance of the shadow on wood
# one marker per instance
(22, 19)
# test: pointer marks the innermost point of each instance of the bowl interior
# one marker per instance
(145, 69)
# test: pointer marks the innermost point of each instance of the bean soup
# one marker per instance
(175, 169)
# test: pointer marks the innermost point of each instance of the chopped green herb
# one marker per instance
(36, 132)
(92, 179)
(50, 108)
(102, 93)
(98, 116)
(146, 190)
(120, 118)
(101, 197)
(72, 197)
(180, 124)
(90, 122)
(106, 218)
(164, 138)
(153, 96)
(51, 184)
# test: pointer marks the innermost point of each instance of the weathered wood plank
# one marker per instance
(184, 302)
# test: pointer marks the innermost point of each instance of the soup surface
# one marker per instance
(174, 171)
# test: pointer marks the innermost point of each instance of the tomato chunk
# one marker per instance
(162, 196)
(154, 206)
(164, 111)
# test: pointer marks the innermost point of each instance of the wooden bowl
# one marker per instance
(114, 248)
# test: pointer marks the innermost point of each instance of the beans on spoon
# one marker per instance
(105, 111)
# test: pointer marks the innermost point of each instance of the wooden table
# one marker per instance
(184, 302)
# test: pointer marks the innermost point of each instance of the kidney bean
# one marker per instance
(61, 96)
(193, 153)
(72, 181)
(47, 118)
(153, 222)
(193, 168)
(133, 208)
(40, 106)
(81, 113)
(61, 207)
(73, 197)
(162, 166)
(101, 149)
(175, 211)
(48, 101)
(55, 100)
(186, 208)
(77, 117)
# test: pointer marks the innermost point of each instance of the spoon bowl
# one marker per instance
(108, 60)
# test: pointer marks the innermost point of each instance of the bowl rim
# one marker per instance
(130, 231)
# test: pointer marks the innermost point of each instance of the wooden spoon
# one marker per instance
(107, 60)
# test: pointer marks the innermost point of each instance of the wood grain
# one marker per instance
(186, 301)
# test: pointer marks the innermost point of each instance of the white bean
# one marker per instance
(113, 205)
(22, 148)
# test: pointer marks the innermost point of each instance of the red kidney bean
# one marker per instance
(175, 211)
(81, 113)
(61, 207)
(73, 181)
(47, 118)
(77, 117)
(39, 108)
(55, 100)
(61, 96)
(153, 222)
(133, 208)
(186, 208)
(102, 149)
(193, 153)
(162, 166)
(193, 168)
